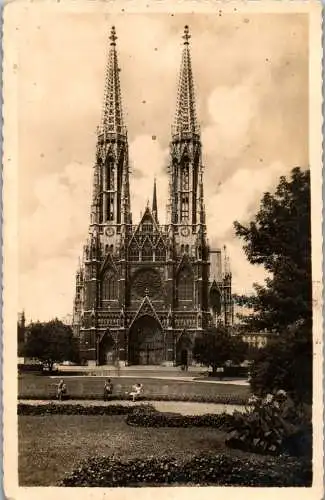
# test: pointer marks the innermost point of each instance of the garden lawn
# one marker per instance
(31, 386)
(53, 445)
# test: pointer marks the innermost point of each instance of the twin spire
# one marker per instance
(112, 128)
(112, 115)
(185, 118)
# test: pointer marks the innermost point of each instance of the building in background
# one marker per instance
(255, 339)
(144, 291)
(67, 319)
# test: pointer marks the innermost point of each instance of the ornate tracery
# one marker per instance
(109, 286)
(185, 284)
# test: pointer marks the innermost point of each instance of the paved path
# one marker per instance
(185, 408)
(147, 375)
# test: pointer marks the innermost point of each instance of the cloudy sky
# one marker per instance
(251, 81)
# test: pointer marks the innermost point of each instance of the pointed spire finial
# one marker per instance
(186, 35)
(113, 36)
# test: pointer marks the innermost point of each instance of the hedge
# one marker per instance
(203, 470)
(231, 371)
(22, 368)
(141, 415)
(75, 409)
(142, 418)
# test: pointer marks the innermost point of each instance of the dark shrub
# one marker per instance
(37, 368)
(233, 371)
(222, 470)
(157, 419)
(286, 363)
(74, 409)
(272, 425)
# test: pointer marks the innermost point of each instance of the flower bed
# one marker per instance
(147, 418)
(58, 409)
(222, 470)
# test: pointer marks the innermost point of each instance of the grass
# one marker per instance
(43, 386)
(51, 446)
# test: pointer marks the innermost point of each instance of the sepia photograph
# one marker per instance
(162, 248)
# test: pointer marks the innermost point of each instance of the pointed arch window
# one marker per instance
(109, 184)
(176, 211)
(133, 252)
(109, 286)
(160, 252)
(110, 206)
(184, 207)
(185, 285)
(146, 252)
(185, 175)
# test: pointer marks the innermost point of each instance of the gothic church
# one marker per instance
(143, 292)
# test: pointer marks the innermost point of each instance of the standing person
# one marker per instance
(62, 390)
(108, 389)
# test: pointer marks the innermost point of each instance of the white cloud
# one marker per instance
(244, 274)
(61, 216)
(238, 197)
(231, 110)
(47, 290)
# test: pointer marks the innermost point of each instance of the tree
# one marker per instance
(280, 239)
(285, 363)
(216, 346)
(50, 343)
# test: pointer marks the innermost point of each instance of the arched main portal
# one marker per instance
(107, 350)
(184, 350)
(146, 342)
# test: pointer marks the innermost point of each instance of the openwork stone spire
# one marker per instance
(112, 114)
(154, 200)
(185, 118)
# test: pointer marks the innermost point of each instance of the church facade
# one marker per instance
(144, 291)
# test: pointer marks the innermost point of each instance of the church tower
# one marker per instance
(187, 211)
(100, 279)
(111, 195)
